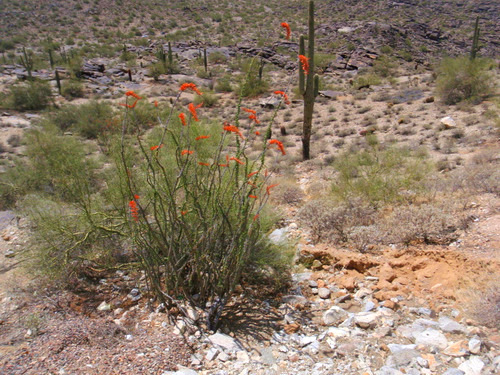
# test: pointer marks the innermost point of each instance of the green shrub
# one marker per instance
(217, 57)
(252, 85)
(380, 175)
(463, 79)
(90, 119)
(223, 84)
(32, 96)
(72, 89)
(209, 99)
(366, 80)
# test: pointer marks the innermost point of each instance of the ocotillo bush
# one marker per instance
(194, 199)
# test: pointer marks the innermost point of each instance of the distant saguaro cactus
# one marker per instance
(475, 40)
(26, 60)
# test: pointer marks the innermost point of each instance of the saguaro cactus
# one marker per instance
(475, 40)
(26, 60)
(308, 85)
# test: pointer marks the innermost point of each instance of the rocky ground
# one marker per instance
(398, 311)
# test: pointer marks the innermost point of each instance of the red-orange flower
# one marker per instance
(156, 104)
(223, 165)
(252, 174)
(134, 211)
(204, 164)
(201, 137)
(254, 117)
(284, 95)
(184, 152)
(252, 196)
(191, 86)
(182, 116)
(305, 63)
(268, 189)
(288, 30)
(156, 147)
(236, 160)
(249, 110)
(255, 217)
(192, 109)
(251, 184)
(231, 128)
(257, 132)
(183, 213)
(131, 93)
(136, 197)
(130, 105)
(279, 144)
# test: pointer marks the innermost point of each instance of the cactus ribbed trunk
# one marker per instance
(475, 40)
(309, 91)
(302, 51)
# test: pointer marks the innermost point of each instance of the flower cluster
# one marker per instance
(190, 86)
(134, 211)
(284, 95)
(288, 30)
(305, 63)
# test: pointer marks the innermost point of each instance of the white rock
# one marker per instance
(223, 357)
(338, 332)
(448, 121)
(278, 236)
(180, 327)
(474, 345)
(334, 316)
(449, 325)
(306, 340)
(211, 354)
(225, 341)
(398, 347)
(366, 319)
(242, 356)
(473, 366)
(104, 306)
(324, 293)
(369, 306)
(431, 337)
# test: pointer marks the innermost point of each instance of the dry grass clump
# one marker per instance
(484, 305)
(288, 192)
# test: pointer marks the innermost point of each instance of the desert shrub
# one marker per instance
(217, 57)
(252, 85)
(89, 119)
(380, 175)
(157, 69)
(223, 84)
(208, 99)
(288, 192)
(484, 305)
(72, 89)
(463, 79)
(366, 80)
(331, 221)
(384, 66)
(31, 96)
(427, 223)
(14, 140)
